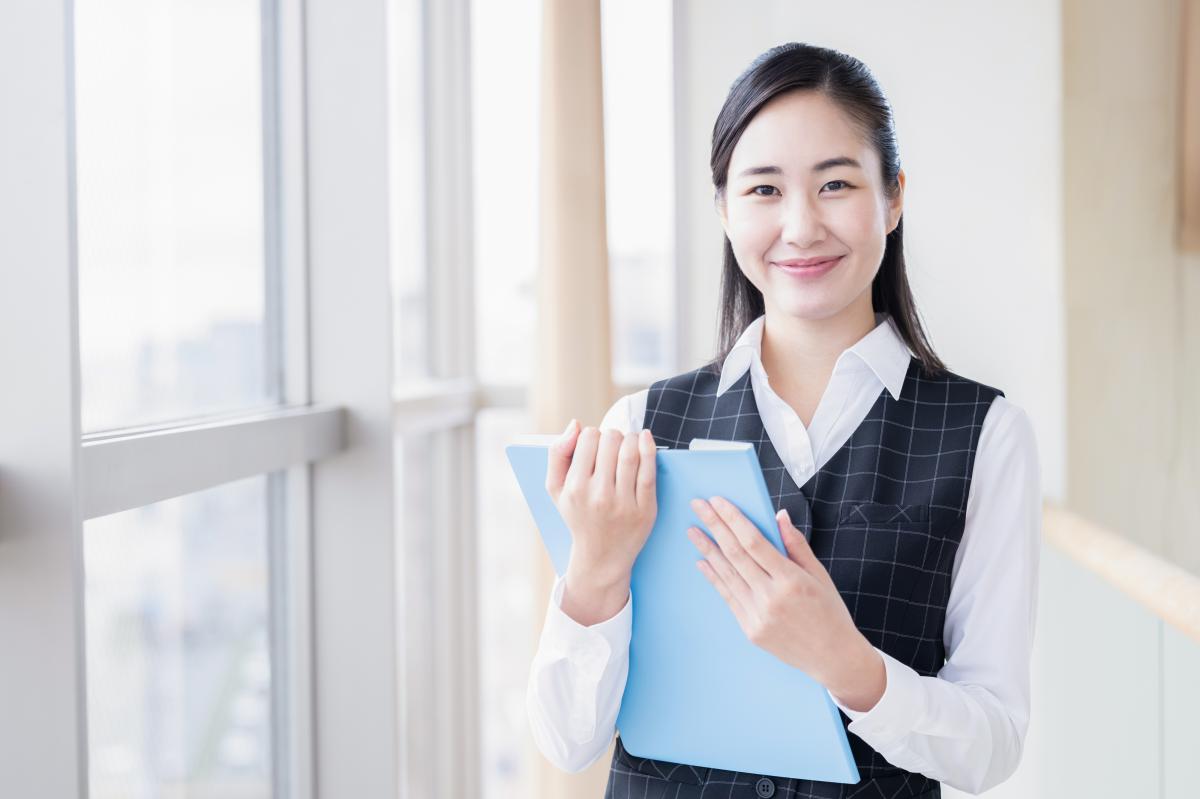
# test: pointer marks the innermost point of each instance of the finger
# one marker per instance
(558, 458)
(714, 579)
(756, 545)
(647, 470)
(717, 561)
(798, 549)
(584, 460)
(746, 566)
(628, 459)
(606, 457)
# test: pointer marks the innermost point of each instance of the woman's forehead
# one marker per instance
(795, 131)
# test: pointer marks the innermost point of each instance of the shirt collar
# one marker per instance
(882, 350)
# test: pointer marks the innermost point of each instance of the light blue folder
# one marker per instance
(699, 692)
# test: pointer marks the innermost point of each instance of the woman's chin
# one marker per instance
(815, 302)
(813, 306)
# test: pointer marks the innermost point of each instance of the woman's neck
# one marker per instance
(798, 354)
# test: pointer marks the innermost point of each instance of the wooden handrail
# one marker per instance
(1169, 591)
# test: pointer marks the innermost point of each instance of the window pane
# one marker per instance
(409, 282)
(505, 48)
(640, 186)
(509, 613)
(416, 526)
(169, 140)
(178, 659)
(639, 191)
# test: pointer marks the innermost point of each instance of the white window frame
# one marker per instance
(337, 677)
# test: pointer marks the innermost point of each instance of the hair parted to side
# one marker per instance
(848, 83)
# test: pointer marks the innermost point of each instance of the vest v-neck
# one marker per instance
(762, 440)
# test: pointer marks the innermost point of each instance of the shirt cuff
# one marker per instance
(614, 631)
(896, 713)
(589, 649)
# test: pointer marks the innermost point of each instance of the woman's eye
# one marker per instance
(836, 184)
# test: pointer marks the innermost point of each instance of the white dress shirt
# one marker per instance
(966, 726)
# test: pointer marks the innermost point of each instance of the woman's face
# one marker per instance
(787, 199)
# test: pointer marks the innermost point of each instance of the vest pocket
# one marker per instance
(884, 513)
(881, 556)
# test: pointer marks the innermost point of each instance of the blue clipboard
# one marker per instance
(699, 692)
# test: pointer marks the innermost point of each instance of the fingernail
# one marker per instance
(570, 424)
(787, 516)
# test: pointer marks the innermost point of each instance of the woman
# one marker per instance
(908, 496)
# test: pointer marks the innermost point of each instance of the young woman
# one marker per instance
(908, 496)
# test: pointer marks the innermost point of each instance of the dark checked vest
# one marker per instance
(884, 515)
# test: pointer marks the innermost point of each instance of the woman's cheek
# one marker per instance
(862, 222)
(750, 216)
(751, 236)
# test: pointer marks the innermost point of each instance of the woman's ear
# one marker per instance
(896, 203)
(719, 205)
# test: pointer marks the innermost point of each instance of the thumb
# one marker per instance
(558, 458)
(646, 487)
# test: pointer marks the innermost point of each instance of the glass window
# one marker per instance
(505, 58)
(639, 186)
(509, 612)
(416, 564)
(169, 140)
(505, 55)
(410, 289)
(178, 656)
(639, 191)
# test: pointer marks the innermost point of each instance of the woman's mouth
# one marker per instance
(811, 270)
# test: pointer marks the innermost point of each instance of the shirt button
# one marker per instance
(765, 788)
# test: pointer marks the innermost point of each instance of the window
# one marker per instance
(505, 47)
(170, 176)
(191, 349)
(198, 184)
(640, 187)
(178, 646)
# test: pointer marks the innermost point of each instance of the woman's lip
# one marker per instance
(815, 270)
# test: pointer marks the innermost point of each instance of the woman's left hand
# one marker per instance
(788, 606)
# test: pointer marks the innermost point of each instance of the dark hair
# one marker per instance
(847, 82)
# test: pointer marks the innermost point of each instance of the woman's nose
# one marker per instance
(801, 225)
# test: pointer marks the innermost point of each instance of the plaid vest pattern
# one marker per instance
(884, 515)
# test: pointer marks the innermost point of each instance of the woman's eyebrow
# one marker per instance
(841, 160)
(820, 166)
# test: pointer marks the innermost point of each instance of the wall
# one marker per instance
(1134, 353)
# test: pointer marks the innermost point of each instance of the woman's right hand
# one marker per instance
(603, 484)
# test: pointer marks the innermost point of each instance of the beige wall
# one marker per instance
(1133, 336)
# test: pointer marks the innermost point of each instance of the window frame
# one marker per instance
(54, 478)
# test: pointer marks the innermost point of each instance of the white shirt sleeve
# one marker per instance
(966, 726)
(578, 674)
